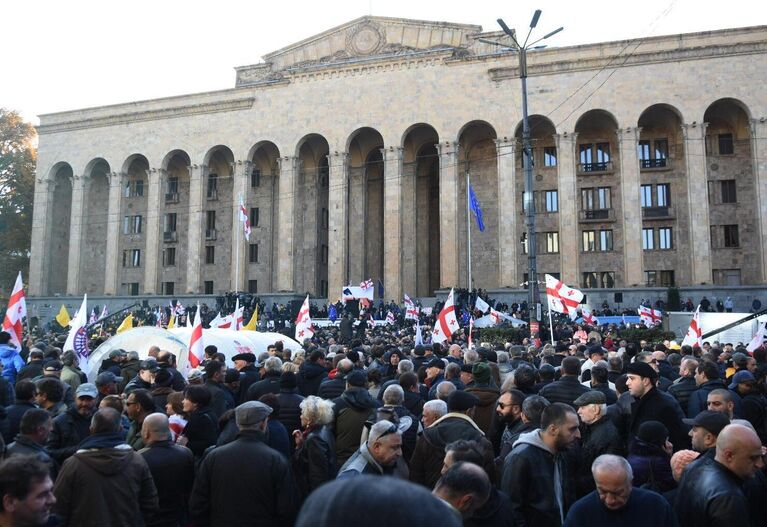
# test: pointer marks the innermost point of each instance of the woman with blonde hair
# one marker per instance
(314, 461)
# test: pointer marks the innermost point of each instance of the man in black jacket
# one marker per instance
(536, 474)
(685, 385)
(249, 374)
(651, 404)
(332, 388)
(271, 381)
(25, 400)
(172, 468)
(711, 490)
(600, 436)
(70, 428)
(568, 388)
(245, 479)
(311, 374)
(214, 376)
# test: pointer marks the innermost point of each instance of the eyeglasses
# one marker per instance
(391, 430)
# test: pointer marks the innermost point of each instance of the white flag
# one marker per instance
(651, 317)
(418, 334)
(390, 319)
(17, 310)
(758, 339)
(694, 332)
(245, 219)
(562, 299)
(304, 329)
(446, 323)
(480, 305)
(77, 340)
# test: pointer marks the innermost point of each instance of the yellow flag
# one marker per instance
(172, 321)
(253, 321)
(63, 317)
(127, 324)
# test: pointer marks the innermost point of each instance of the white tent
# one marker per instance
(230, 342)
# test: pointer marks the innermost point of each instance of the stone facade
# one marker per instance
(351, 151)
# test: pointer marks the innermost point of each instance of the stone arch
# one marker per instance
(542, 131)
(366, 217)
(218, 216)
(729, 114)
(478, 156)
(313, 212)
(420, 193)
(174, 223)
(96, 210)
(597, 146)
(661, 142)
(57, 256)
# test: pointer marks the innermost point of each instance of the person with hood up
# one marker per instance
(536, 474)
(486, 392)
(105, 482)
(351, 411)
(457, 424)
(10, 358)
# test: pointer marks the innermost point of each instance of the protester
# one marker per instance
(201, 429)
(314, 460)
(465, 487)
(380, 455)
(72, 427)
(599, 437)
(26, 493)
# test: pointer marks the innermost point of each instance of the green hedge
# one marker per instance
(652, 335)
(502, 335)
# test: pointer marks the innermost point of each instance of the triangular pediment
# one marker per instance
(371, 36)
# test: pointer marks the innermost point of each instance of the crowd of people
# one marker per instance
(363, 425)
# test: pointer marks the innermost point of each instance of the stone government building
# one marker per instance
(351, 150)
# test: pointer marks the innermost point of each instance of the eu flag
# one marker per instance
(474, 205)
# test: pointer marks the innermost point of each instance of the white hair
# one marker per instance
(612, 463)
(273, 364)
(394, 395)
(405, 366)
(436, 406)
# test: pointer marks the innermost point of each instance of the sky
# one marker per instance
(64, 55)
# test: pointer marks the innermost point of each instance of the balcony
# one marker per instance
(169, 236)
(657, 213)
(171, 197)
(210, 234)
(604, 167)
(654, 165)
(596, 216)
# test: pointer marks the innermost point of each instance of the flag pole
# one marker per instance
(551, 327)
(237, 248)
(468, 225)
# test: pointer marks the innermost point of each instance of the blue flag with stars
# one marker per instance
(475, 208)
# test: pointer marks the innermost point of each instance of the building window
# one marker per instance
(594, 157)
(253, 253)
(595, 198)
(589, 281)
(549, 156)
(132, 225)
(726, 145)
(607, 279)
(252, 287)
(132, 258)
(652, 154)
(255, 178)
(589, 241)
(173, 185)
(648, 239)
(210, 220)
(134, 188)
(208, 285)
(212, 186)
(667, 279)
(552, 201)
(663, 195)
(726, 276)
(324, 256)
(169, 222)
(605, 240)
(665, 238)
(210, 254)
(168, 288)
(254, 217)
(549, 242)
(651, 278)
(169, 257)
(324, 288)
(646, 196)
(729, 191)
(130, 288)
(325, 218)
(730, 233)
(523, 241)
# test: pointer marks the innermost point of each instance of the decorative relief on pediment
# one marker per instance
(365, 39)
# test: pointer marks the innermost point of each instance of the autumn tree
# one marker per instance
(18, 155)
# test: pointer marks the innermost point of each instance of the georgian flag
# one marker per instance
(390, 318)
(481, 306)
(411, 311)
(758, 339)
(196, 345)
(238, 315)
(562, 299)
(220, 322)
(588, 317)
(651, 317)
(17, 310)
(418, 340)
(471, 330)
(446, 323)
(179, 309)
(694, 332)
(304, 328)
(94, 317)
(357, 293)
(245, 219)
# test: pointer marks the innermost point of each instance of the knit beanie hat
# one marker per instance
(653, 432)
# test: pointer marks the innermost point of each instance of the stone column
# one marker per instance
(448, 224)
(759, 156)
(286, 254)
(631, 207)
(114, 219)
(38, 262)
(153, 256)
(338, 249)
(569, 240)
(197, 174)
(507, 213)
(76, 234)
(409, 189)
(241, 179)
(393, 220)
(697, 199)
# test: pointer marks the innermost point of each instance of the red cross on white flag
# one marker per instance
(446, 323)
(562, 299)
(17, 310)
(304, 328)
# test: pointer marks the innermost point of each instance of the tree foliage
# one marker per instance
(18, 156)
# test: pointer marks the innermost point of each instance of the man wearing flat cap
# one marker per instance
(435, 374)
(245, 479)
(425, 465)
(650, 404)
(599, 436)
(245, 363)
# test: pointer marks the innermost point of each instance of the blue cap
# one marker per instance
(741, 376)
